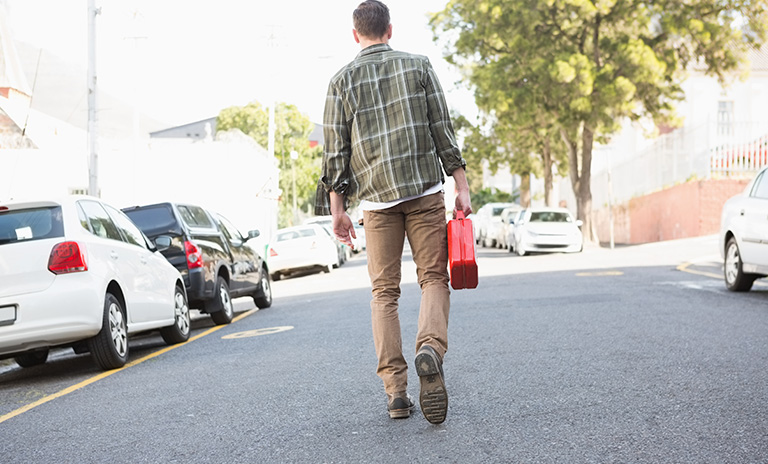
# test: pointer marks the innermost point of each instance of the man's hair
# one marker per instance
(371, 19)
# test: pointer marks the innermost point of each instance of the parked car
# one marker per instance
(78, 273)
(488, 223)
(344, 252)
(302, 248)
(359, 241)
(547, 230)
(506, 225)
(744, 235)
(211, 254)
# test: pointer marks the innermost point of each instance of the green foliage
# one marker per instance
(576, 68)
(488, 195)
(292, 130)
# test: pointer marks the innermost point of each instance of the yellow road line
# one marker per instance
(684, 267)
(106, 374)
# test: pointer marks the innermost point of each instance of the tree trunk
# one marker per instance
(584, 194)
(525, 190)
(547, 155)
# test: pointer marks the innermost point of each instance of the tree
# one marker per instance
(291, 134)
(580, 67)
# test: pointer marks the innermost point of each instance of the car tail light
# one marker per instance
(67, 257)
(3, 208)
(272, 252)
(194, 256)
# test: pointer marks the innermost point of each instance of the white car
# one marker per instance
(301, 248)
(487, 223)
(547, 230)
(77, 272)
(507, 226)
(744, 235)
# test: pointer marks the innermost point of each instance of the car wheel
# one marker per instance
(263, 298)
(735, 279)
(32, 358)
(220, 307)
(179, 331)
(109, 347)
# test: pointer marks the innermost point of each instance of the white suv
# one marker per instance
(744, 235)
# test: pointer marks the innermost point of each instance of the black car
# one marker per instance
(211, 255)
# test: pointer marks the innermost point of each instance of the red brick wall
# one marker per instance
(687, 210)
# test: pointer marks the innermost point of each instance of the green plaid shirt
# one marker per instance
(387, 129)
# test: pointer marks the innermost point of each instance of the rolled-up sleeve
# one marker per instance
(440, 123)
(337, 151)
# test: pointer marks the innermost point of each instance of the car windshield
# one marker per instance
(550, 216)
(497, 211)
(154, 220)
(30, 224)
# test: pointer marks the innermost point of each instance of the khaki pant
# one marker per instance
(424, 222)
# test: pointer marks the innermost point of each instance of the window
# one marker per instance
(231, 231)
(30, 224)
(550, 216)
(760, 190)
(195, 216)
(99, 221)
(131, 233)
(725, 118)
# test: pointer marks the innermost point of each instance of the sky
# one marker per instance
(181, 61)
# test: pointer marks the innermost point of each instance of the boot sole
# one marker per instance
(399, 413)
(433, 398)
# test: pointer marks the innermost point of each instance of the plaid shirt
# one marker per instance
(387, 129)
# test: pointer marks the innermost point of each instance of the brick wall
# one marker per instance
(687, 210)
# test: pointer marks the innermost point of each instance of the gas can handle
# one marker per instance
(459, 214)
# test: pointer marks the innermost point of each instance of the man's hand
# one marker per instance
(463, 202)
(344, 229)
(342, 224)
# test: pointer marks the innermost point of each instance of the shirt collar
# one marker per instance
(376, 48)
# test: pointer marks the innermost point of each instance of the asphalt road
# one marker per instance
(637, 354)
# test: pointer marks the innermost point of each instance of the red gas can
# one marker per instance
(461, 253)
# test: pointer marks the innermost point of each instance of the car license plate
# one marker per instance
(7, 315)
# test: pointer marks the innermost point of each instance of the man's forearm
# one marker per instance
(337, 203)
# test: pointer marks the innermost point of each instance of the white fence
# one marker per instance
(710, 150)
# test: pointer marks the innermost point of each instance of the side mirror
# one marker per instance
(579, 223)
(253, 234)
(163, 242)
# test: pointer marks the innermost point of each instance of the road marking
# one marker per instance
(257, 332)
(106, 374)
(599, 274)
(684, 267)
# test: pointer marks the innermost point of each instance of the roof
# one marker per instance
(198, 130)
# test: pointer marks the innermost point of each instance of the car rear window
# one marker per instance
(154, 220)
(294, 234)
(30, 224)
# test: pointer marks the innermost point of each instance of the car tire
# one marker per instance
(179, 331)
(735, 278)
(220, 307)
(32, 358)
(109, 347)
(263, 297)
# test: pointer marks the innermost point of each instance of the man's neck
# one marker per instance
(365, 43)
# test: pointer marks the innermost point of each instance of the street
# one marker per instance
(637, 354)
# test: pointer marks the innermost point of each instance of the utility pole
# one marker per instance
(93, 160)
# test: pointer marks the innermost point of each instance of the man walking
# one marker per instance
(388, 138)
